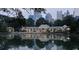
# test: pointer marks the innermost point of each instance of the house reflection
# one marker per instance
(19, 41)
(44, 37)
(7, 35)
(10, 36)
(41, 37)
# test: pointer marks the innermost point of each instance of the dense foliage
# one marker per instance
(69, 21)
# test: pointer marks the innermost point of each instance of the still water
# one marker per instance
(23, 41)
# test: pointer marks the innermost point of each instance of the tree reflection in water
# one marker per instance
(38, 41)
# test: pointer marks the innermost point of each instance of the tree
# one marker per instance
(21, 22)
(3, 27)
(39, 9)
(29, 22)
(68, 20)
(17, 11)
(41, 21)
(17, 23)
(71, 22)
(58, 23)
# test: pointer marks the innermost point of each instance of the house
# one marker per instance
(40, 29)
(45, 29)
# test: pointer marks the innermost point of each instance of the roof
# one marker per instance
(43, 26)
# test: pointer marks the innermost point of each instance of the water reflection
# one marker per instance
(23, 41)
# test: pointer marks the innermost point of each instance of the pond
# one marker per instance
(24, 41)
